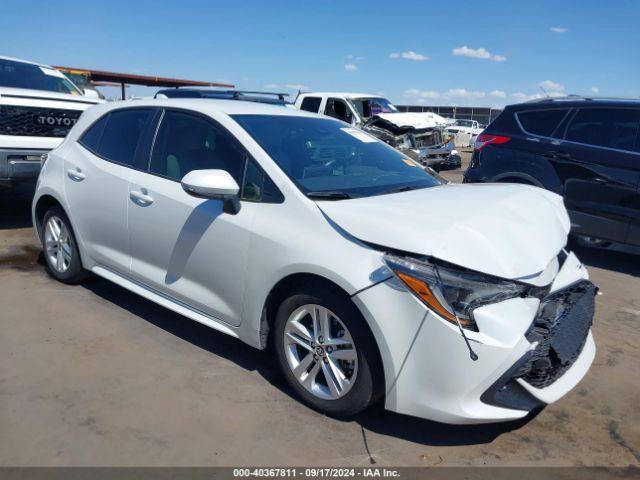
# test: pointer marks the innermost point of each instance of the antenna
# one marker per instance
(544, 91)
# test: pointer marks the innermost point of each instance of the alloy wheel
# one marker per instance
(57, 244)
(320, 352)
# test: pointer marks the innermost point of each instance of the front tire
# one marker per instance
(60, 247)
(327, 353)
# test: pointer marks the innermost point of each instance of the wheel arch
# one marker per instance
(40, 207)
(284, 286)
(517, 177)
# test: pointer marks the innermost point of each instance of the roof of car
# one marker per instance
(25, 61)
(229, 107)
(576, 101)
(341, 94)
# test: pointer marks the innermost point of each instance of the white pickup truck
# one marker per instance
(419, 135)
(465, 132)
(38, 107)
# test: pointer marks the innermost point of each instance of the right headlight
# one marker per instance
(452, 292)
(403, 142)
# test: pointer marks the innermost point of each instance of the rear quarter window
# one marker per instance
(90, 139)
(542, 122)
(311, 104)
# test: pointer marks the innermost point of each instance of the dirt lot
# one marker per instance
(94, 375)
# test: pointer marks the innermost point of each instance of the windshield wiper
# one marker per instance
(329, 195)
(404, 188)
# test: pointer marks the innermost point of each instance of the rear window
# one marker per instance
(310, 104)
(605, 127)
(541, 122)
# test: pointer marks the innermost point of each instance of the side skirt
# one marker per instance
(164, 301)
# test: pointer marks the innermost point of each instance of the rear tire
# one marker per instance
(335, 369)
(60, 247)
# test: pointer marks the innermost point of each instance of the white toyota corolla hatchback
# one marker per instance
(369, 278)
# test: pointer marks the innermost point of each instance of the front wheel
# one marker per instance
(327, 353)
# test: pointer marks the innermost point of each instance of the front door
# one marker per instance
(183, 247)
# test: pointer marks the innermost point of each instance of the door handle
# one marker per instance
(76, 174)
(141, 198)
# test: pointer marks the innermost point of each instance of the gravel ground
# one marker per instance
(94, 375)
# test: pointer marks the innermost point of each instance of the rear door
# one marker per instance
(600, 173)
(97, 174)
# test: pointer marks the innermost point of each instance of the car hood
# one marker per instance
(418, 120)
(507, 230)
(73, 101)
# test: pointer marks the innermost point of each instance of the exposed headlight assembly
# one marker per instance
(452, 292)
(403, 142)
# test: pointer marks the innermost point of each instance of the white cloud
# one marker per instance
(416, 93)
(595, 89)
(498, 94)
(354, 57)
(524, 97)
(481, 53)
(551, 86)
(463, 93)
(351, 67)
(559, 29)
(297, 86)
(409, 55)
(288, 86)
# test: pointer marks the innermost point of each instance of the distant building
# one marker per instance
(483, 115)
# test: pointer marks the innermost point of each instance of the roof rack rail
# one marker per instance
(237, 93)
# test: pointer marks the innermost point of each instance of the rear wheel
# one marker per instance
(60, 247)
(326, 352)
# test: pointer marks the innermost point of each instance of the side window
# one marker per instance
(122, 133)
(605, 127)
(188, 142)
(258, 187)
(90, 139)
(542, 122)
(336, 108)
(311, 104)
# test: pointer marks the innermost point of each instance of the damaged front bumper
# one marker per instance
(440, 157)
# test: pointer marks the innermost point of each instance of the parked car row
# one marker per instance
(316, 229)
(371, 279)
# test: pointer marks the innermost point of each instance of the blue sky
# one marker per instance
(461, 53)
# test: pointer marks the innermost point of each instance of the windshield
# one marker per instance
(25, 75)
(368, 107)
(325, 157)
(464, 123)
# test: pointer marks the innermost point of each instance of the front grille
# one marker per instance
(36, 121)
(560, 328)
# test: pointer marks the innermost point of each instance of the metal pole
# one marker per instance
(122, 89)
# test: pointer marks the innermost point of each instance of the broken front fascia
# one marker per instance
(428, 145)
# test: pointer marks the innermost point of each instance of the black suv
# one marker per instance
(587, 150)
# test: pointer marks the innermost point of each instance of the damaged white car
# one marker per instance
(285, 228)
(420, 135)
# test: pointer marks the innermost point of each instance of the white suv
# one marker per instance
(370, 278)
(38, 107)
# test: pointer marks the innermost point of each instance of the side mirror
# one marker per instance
(90, 93)
(216, 184)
